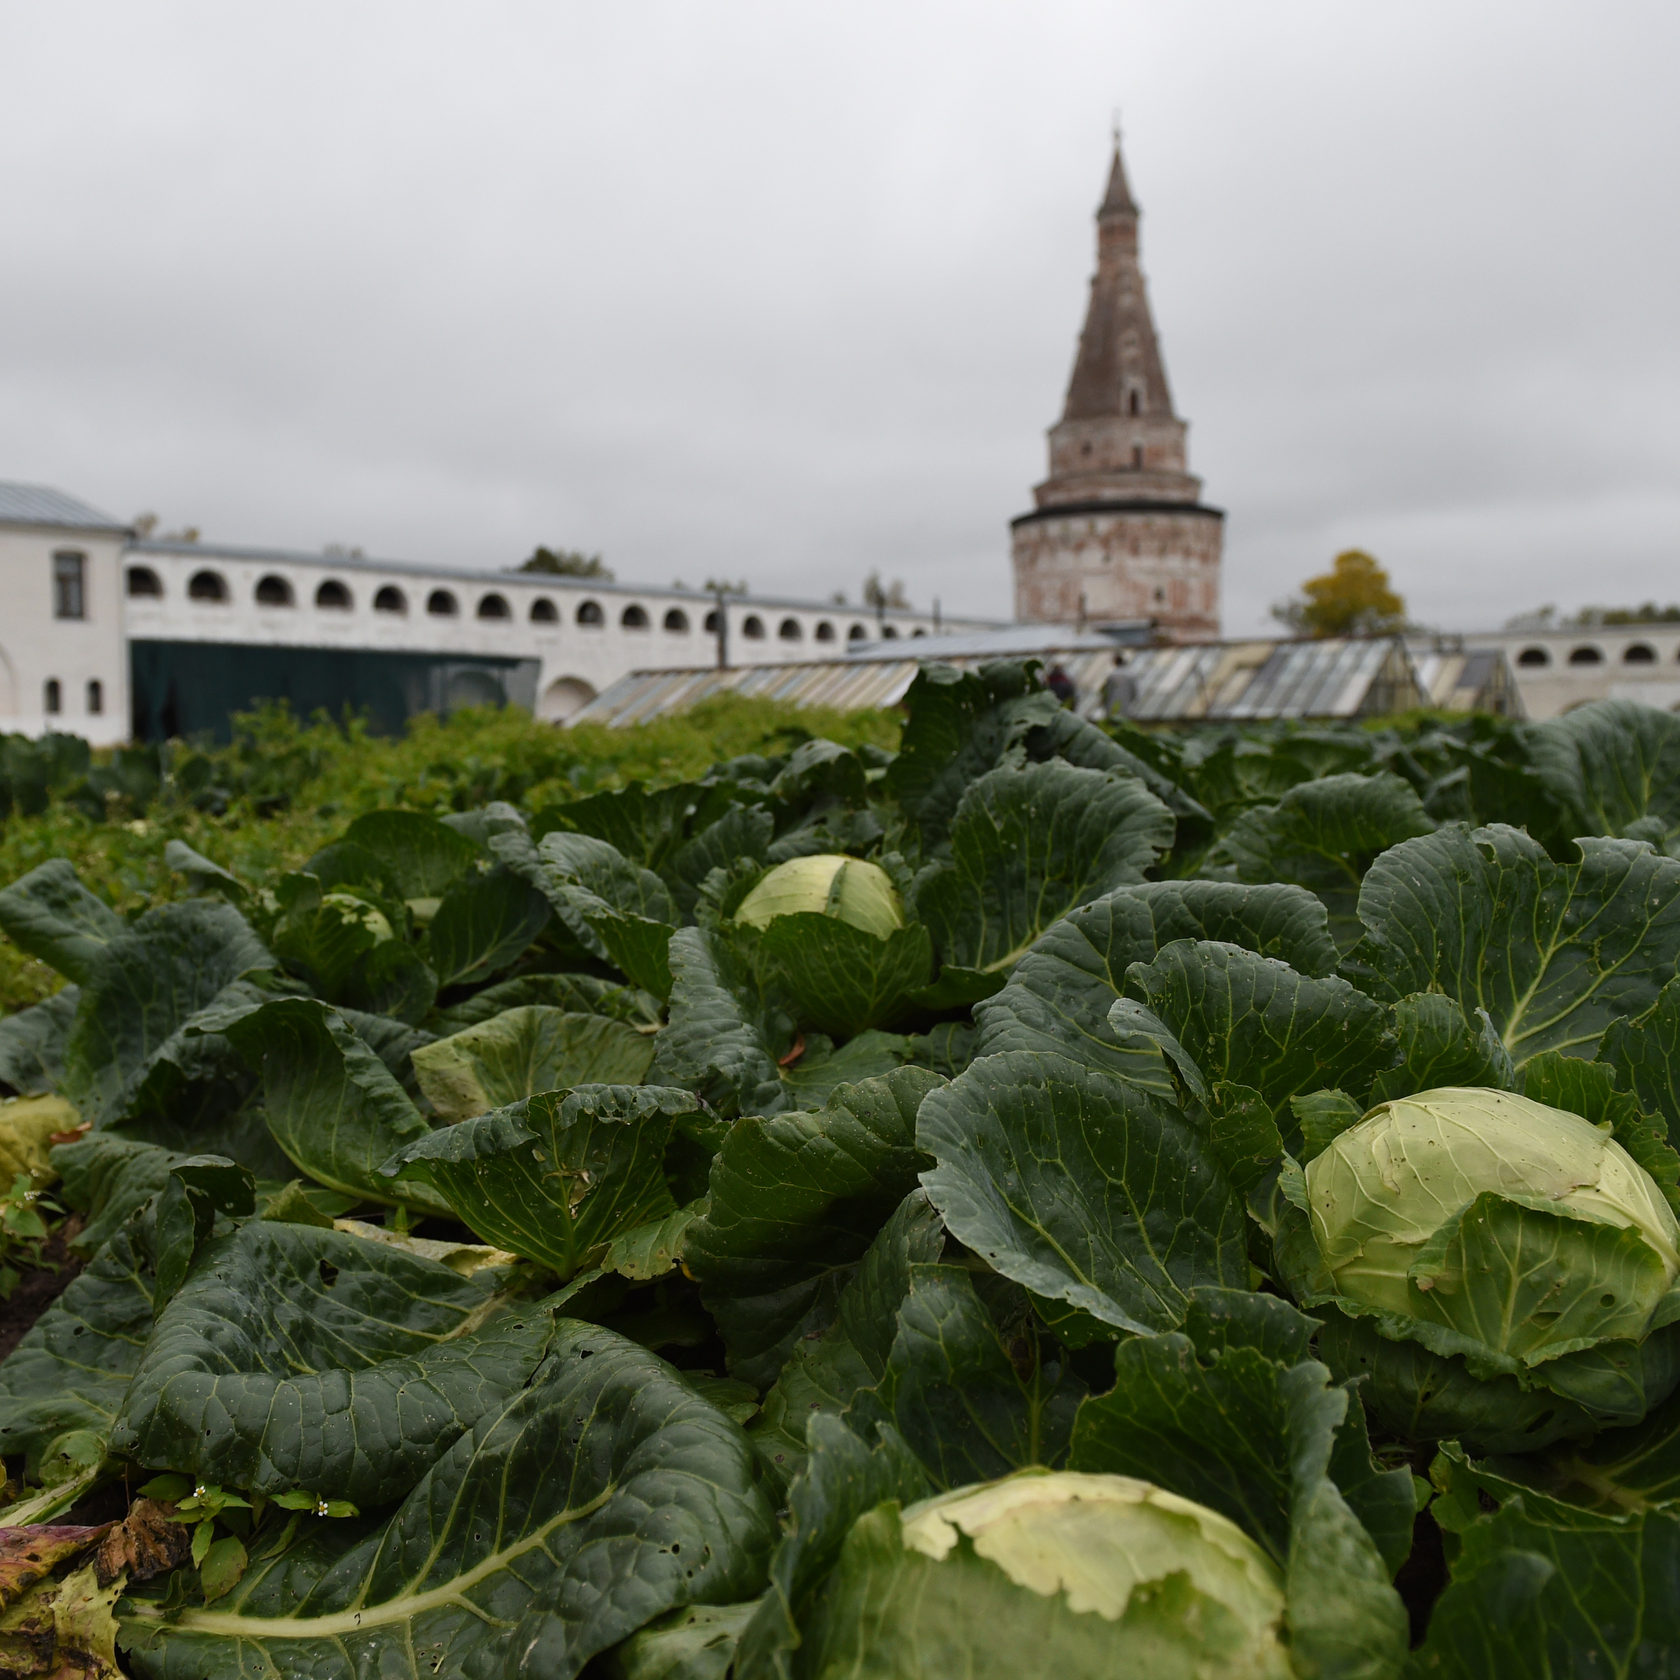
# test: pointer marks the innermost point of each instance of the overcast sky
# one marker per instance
(790, 291)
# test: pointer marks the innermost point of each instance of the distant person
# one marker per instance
(1119, 690)
(1061, 685)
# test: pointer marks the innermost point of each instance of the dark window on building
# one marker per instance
(752, 627)
(676, 621)
(334, 595)
(142, 580)
(1639, 653)
(790, 630)
(1137, 457)
(207, 586)
(711, 622)
(69, 585)
(889, 633)
(825, 631)
(494, 606)
(441, 604)
(857, 633)
(274, 591)
(1585, 656)
(390, 599)
(590, 613)
(544, 611)
(52, 697)
(1534, 656)
(95, 697)
(1135, 404)
(633, 618)
(918, 631)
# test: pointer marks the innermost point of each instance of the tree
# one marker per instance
(880, 596)
(1352, 599)
(565, 562)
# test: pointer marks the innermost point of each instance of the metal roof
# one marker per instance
(1257, 680)
(1012, 641)
(40, 504)
(846, 685)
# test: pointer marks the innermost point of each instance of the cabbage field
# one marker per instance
(1046, 1201)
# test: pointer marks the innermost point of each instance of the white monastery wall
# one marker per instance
(81, 662)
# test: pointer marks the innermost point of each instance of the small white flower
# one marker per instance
(320, 1507)
(200, 1491)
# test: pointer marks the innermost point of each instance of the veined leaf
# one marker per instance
(1027, 846)
(1081, 1188)
(421, 856)
(1553, 952)
(524, 1051)
(482, 925)
(1323, 835)
(604, 1494)
(829, 1372)
(331, 1103)
(33, 1042)
(795, 1201)
(152, 979)
(72, 1368)
(302, 1357)
(1062, 990)
(52, 916)
(839, 978)
(1615, 765)
(1254, 1021)
(558, 1177)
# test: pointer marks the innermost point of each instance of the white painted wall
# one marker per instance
(599, 631)
(36, 647)
(1598, 664)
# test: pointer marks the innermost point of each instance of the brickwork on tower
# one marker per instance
(1119, 530)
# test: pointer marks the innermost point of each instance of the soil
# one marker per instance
(39, 1287)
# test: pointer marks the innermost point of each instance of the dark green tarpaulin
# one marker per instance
(193, 688)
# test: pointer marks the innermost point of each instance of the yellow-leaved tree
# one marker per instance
(1353, 598)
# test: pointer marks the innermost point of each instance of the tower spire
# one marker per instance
(1118, 526)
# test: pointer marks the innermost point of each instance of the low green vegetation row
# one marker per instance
(285, 786)
(1017, 1199)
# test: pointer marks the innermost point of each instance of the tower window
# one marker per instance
(52, 697)
(95, 697)
(69, 585)
(1133, 405)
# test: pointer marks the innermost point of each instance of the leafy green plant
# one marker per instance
(24, 1227)
(715, 1202)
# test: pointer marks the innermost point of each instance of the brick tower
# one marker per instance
(1118, 531)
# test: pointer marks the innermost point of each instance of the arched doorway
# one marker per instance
(563, 699)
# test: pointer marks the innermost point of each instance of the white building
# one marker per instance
(105, 635)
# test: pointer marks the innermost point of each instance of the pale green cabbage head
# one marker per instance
(831, 885)
(1384, 1187)
(1085, 1576)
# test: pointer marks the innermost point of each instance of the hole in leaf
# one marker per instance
(329, 1274)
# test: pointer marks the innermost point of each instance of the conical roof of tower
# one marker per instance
(1119, 355)
(1118, 200)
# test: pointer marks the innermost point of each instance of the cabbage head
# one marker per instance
(830, 884)
(1058, 1575)
(1518, 1245)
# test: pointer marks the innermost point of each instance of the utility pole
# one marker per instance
(720, 618)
